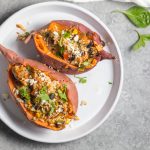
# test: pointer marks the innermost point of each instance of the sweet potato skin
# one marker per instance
(60, 64)
(72, 93)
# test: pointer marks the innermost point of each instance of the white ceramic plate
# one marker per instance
(101, 97)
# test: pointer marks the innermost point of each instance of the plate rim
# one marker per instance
(117, 49)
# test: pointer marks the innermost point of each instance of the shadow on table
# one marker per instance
(15, 138)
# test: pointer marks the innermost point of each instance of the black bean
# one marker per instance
(103, 43)
(52, 96)
(47, 35)
(72, 57)
(90, 51)
(90, 44)
(83, 53)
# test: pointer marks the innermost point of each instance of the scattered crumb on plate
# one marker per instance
(37, 56)
(5, 96)
(83, 103)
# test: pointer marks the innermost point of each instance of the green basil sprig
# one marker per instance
(141, 42)
(139, 16)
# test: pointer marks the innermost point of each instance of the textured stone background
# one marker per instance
(128, 127)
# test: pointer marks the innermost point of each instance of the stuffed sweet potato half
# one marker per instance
(47, 98)
(70, 47)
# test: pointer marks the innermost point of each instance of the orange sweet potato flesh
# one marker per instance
(72, 94)
(58, 63)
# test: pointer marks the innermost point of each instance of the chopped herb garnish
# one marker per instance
(23, 36)
(64, 87)
(81, 68)
(60, 43)
(85, 63)
(43, 94)
(66, 34)
(110, 82)
(141, 42)
(62, 50)
(46, 34)
(62, 95)
(58, 54)
(82, 79)
(25, 93)
(52, 108)
(28, 68)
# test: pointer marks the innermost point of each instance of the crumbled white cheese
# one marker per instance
(76, 38)
(32, 109)
(16, 92)
(75, 51)
(62, 32)
(50, 67)
(55, 34)
(43, 77)
(44, 102)
(59, 110)
(19, 100)
(31, 81)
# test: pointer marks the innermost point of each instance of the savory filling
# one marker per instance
(75, 47)
(42, 96)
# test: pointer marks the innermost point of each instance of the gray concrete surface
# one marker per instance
(128, 127)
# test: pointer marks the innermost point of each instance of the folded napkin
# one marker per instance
(144, 3)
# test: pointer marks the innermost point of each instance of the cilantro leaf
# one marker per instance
(52, 108)
(66, 34)
(62, 50)
(62, 95)
(82, 79)
(25, 93)
(43, 94)
(110, 82)
(28, 68)
(85, 63)
(141, 42)
(60, 43)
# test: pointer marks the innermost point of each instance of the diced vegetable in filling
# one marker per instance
(78, 49)
(42, 96)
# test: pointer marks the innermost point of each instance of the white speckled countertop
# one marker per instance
(127, 128)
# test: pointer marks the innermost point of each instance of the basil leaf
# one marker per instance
(139, 16)
(141, 42)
